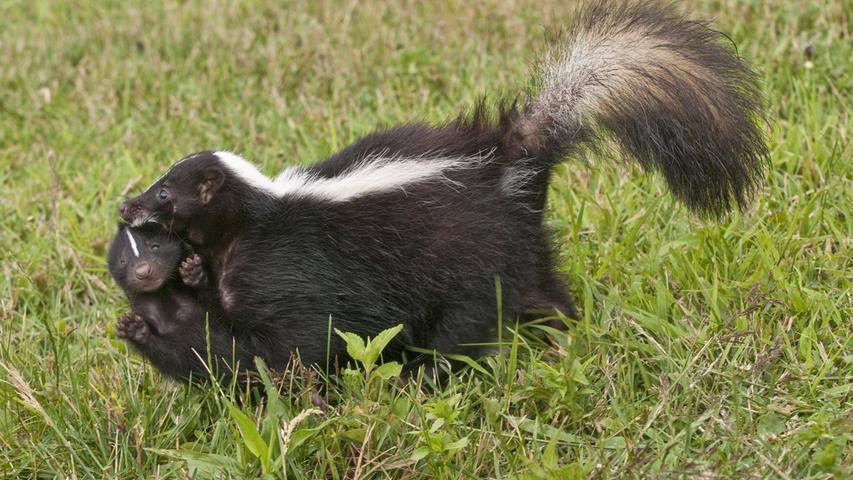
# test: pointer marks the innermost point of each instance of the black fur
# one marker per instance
(427, 257)
(169, 320)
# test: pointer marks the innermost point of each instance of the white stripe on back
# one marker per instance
(371, 175)
(247, 171)
(132, 242)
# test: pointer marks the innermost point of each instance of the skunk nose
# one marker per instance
(142, 271)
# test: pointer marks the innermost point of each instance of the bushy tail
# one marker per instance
(671, 92)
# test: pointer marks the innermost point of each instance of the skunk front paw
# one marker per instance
(192, 272)
(132, 327)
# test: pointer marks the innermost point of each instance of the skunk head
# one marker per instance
(191, 191)
(142, 259)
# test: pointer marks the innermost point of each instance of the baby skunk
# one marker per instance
(169, 316)
(419, 224)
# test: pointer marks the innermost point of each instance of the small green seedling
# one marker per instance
(368, 353)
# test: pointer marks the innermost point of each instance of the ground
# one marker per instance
(705, 349)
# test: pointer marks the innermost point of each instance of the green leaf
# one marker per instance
(251, 436)
(771, 424)
(388, 370)
(355, 345)
(826, 457)
(457, 445)
(420, 453)
(274, 406)
(577, 373)
(369, 353)
(470, 362)
(532, 426)
(840, 390)
(378, 343)
(208, 464)
(615, 443)
(550, 459)
(806, 344)
(355, 435)
(300, 436)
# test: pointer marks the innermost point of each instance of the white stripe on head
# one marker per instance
(170, 169)
(157, 180)
(132, 242)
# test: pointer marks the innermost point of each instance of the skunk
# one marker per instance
(173, 321)
(440, 228)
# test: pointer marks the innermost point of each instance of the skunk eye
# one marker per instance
(155, 247)
(122, 261)
(163, 194)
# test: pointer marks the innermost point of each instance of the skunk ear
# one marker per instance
(211, 180)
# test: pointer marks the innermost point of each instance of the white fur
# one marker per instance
(617, 60)
(141, 221)
(516, 179)
(247, 171)
(374, 176)
(371, 175)
(132, 243)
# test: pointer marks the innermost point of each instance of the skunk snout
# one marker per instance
(133, 212)
(142, 271)
(128, 210)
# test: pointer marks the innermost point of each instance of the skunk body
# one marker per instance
(426, 254)
(171, 322)
(417, 224)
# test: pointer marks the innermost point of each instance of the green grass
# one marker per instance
(710, 350)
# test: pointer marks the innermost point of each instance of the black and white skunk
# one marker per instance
(173, 320)
(417, 224)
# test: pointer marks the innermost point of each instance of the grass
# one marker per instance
(710, 350)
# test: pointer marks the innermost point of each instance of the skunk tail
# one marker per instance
(670, 91)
